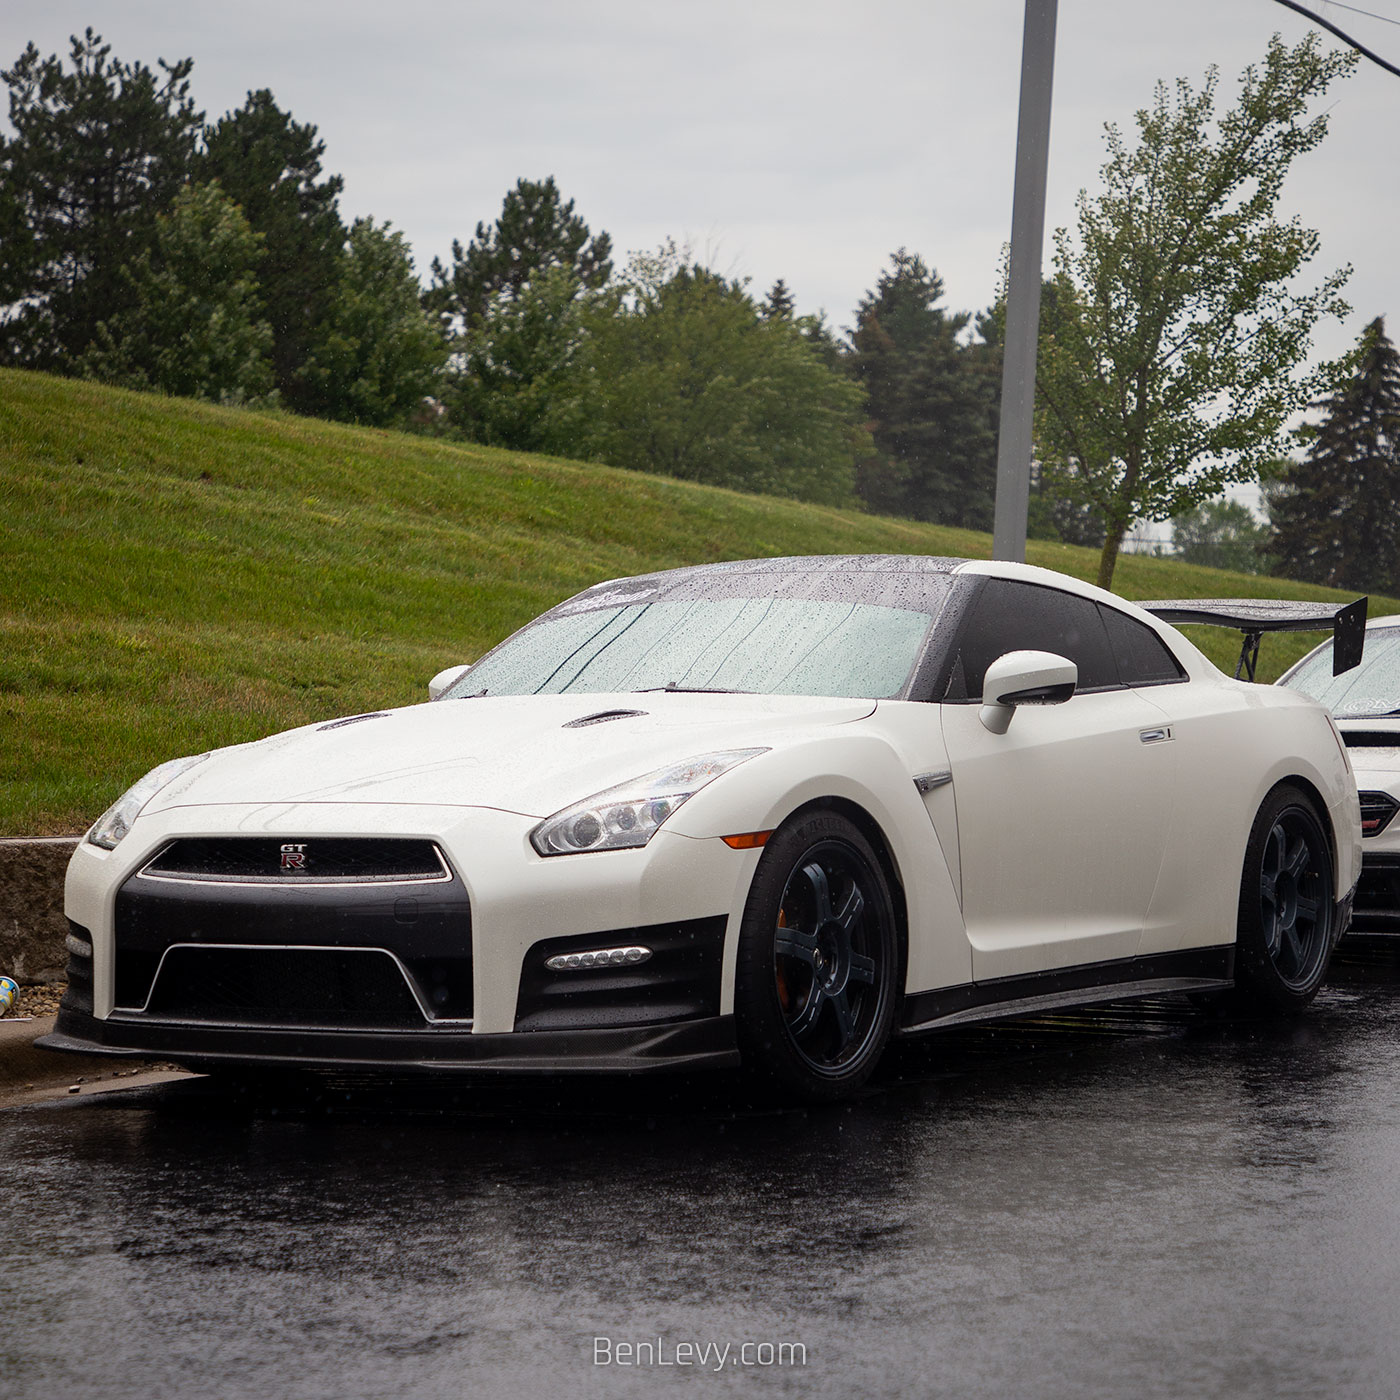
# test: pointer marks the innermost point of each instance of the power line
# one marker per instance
(1342, 35)
(1370, 14)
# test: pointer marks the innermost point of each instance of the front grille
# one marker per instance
(1377, 809)
(259, 858)
(342, 988)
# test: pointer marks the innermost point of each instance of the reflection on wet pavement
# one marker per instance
(1140, 1201)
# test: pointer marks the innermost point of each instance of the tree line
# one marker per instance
(145, 246)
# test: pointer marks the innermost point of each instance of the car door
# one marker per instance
(1062, 820)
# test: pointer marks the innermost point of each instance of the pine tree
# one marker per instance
(1335, 519)
(778, 304)
(98, 153)
(535, 232)
(931, 402)
(270, 166)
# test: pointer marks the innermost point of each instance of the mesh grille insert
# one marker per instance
(285, 986)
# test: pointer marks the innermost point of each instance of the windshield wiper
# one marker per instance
(690, 689)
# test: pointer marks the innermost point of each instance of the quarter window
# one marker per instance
(1143, 657)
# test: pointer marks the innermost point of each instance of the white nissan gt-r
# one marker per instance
(766, 813)
(1366, 705)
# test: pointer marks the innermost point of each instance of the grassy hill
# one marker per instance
(178, 576)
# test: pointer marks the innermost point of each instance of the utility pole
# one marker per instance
(1023, 293)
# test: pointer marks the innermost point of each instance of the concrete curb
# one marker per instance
(31, 1075)
(32, 926)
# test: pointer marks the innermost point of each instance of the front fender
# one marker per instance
(867, 771)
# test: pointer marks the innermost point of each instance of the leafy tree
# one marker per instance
(1172, 351)
(680, 373)
(931, 400)
(512, 383)
(377, 355)
(99, 150)
(1221, 534)
(1334, 515)
(537, 230)
(191, 327)
(271, 166)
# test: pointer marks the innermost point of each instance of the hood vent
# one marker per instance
(352, 719)
(602, 717)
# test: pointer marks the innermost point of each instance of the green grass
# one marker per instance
(175, 576)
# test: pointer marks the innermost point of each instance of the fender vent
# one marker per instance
(602, 717)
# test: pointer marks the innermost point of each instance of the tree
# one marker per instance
(191, 327)
(511, 383)
(778, 304)
(535, 232)
(1220, 534)
(1334, 514)
(1172, 353)
(377, 355)
(680, 373)
(932, 405)
(98, 152)
(270, 166)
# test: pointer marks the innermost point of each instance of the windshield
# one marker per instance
(1372, 688)
(767, 645)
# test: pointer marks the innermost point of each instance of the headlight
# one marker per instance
(630, 813)
(116, 821)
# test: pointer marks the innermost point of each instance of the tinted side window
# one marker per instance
(1143, 657)
(1011, 616)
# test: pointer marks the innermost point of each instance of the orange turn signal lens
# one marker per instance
(747, 841)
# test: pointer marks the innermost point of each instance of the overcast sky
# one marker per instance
(802, 139)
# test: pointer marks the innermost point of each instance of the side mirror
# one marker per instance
(444, 679)
(1024, 678)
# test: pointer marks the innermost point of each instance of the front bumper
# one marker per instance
(1377, 907)
(707, 1043)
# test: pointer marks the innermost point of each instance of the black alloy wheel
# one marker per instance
(820, 960)
(1287, 910)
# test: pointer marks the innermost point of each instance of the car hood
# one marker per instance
(527, 754)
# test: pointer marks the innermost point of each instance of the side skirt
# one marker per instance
(1001, 998)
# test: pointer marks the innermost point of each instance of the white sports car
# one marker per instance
(1366, 704)
(766, 813)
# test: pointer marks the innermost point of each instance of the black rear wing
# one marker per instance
(1255, 616)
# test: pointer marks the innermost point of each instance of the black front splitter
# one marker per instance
(708, 1043)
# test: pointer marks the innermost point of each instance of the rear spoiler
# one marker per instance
(1255, 616)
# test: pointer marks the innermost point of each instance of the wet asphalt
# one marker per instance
(1145, 1201)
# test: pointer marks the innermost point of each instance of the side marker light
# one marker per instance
(747, 841)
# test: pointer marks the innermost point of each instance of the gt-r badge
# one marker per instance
(294, 857)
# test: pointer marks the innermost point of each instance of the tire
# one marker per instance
(1285, 931)
(820, 962)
